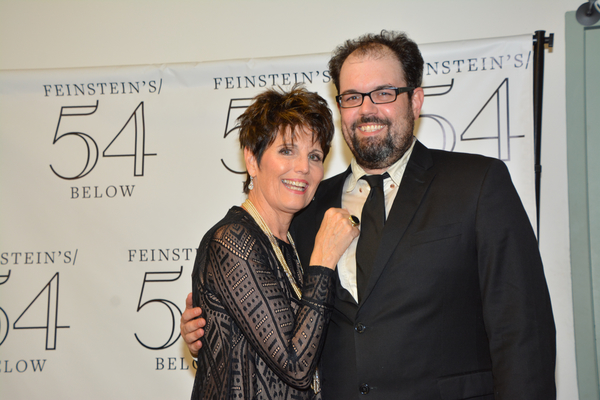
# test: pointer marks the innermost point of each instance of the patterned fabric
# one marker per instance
(260, 341)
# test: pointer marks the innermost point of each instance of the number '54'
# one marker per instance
(91, 159)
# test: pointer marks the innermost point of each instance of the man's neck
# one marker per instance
(375, 171)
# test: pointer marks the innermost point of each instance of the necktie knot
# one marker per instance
(375, 180)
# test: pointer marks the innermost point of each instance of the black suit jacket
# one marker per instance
(457, 306)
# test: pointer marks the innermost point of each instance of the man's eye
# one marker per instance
(351, 97)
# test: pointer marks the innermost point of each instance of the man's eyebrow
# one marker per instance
(387, 86)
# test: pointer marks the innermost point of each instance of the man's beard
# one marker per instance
(381, 152)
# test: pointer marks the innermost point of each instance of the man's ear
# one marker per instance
(417, 99)
(251, 164)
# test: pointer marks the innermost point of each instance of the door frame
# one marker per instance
(579, 210)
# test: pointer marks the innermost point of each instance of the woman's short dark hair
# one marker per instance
(277, 112)
(406, 51)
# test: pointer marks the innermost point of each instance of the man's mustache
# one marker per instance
(371, 120)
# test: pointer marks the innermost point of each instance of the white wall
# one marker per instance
(64, 34)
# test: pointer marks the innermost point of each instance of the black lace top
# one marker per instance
(260, 341)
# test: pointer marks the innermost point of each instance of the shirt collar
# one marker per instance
(396, 170)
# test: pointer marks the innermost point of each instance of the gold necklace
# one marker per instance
(248, 206)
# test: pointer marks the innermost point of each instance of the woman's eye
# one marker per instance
(285, 151)
(315, 157)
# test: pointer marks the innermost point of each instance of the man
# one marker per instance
(453, 303)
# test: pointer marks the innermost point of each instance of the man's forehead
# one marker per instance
(376, 67)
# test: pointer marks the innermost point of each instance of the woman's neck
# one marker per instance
(277, 222)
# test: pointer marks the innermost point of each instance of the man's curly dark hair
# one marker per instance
(406, 51)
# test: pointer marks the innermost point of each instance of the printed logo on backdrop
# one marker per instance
(80, 147)
(490, 121)
(271, 80)
(41, 313)
(154, 305)
(485, 123)
(235, 163)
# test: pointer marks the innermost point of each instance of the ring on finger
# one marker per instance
(354, 220)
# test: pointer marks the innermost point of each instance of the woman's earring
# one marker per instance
(251, 184)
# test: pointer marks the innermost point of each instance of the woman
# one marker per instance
(266, 318)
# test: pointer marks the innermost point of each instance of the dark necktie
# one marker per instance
(371, 225)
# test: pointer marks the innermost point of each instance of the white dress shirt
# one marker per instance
(354, 195)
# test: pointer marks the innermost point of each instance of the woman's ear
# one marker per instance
(251, 164)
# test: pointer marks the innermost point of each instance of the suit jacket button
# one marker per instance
(364, 388)
(359, 327)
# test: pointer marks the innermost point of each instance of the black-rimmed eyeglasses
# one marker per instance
(379, 96)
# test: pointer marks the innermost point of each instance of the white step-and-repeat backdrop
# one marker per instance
(109, 178)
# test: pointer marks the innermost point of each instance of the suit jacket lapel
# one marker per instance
(415, 181)
(330, 194)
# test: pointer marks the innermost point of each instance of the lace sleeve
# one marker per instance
(242, 271)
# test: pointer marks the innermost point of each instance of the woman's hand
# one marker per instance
(336, 233)
(191, 327)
